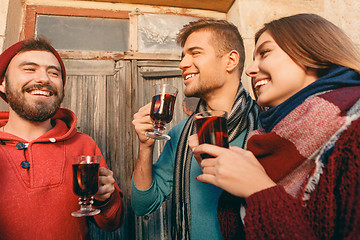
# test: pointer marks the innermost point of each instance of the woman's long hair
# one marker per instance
(313, 42)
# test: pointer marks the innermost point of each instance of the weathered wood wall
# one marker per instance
(157, 225)
(105, 104)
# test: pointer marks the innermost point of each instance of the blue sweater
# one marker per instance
(203, 197)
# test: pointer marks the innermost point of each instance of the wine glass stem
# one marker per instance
(86, 202)
(159, 127)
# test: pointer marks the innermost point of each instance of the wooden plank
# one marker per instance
(149, 73)
(151, 56)
(158, 64)
(119, 138)
(101, 55)
(86, 97)
(157, 225)
(219, 5)
(133, 34)
(89, 67)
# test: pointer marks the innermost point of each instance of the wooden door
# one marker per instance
(104, 95)
(158, 224)
(98, 92)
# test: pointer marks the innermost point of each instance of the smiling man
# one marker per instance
(35, 90)
(38, 143)
(212, 64)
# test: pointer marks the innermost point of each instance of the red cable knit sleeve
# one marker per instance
(333, 211)
(274, 214)
(346, 158)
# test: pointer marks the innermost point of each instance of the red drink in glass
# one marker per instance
(85, 183)
(162, 108)
(85, 179)
(212, 129)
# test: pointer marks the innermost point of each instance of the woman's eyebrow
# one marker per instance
(262, 45)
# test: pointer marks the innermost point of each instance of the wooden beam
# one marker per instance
(218, 5)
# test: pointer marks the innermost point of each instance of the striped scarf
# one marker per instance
(244, 115)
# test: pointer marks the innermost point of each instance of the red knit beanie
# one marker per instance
(9, 53)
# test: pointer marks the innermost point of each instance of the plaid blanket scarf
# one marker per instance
(294, 152)
(300, 133)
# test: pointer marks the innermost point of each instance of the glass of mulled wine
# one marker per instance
(85, 183)
(162, 109)
(212, 129)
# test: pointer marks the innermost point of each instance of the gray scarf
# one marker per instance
(244, 115)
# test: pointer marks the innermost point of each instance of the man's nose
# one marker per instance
(43, 76)
(185, 62)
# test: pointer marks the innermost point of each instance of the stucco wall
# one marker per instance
(3, 13)
(249, 16)
(13, 22)
(11, 12)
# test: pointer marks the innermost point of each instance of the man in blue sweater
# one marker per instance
(212, 64)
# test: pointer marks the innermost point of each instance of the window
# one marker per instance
(83, 33)
(157, 32)
(80, 33)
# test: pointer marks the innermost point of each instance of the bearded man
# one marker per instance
(38, 142)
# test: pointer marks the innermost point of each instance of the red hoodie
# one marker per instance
(36, 203)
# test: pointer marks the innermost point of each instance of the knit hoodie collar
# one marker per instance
(64, 122)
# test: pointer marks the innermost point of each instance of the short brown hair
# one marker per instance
(38, 44)
(226, 36)
(313, 41)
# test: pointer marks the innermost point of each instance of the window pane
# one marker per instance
(157, 32)
(82, 33)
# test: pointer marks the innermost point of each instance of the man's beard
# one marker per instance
(200, 92)
(37, 112)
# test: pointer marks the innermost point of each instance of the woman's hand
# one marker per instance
(235, 170)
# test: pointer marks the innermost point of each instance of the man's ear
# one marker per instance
(233, 60)
(2, 85)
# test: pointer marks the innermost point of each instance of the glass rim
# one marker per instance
(89, 159)
(175, 89)
(224, 113)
